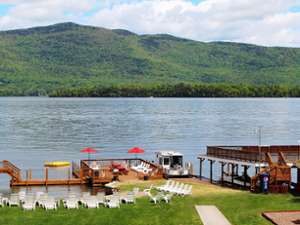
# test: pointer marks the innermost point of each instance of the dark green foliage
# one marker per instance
(178, 90)
(73, 57)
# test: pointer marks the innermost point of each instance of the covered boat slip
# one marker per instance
(277, 161)
(96, 172)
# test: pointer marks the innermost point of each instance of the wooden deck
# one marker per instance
(43, 182)
(89, 172)
(276, 161)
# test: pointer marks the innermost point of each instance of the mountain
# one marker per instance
(72, 55)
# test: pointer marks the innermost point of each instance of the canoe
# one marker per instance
(57, 164)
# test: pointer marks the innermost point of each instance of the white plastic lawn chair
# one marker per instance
(129, 198)
(71, 203)
(29, 203)
(22, 195)
(90, 202)
(155, 198)
(114, 202)
(167, 198)
(100, 198)
(50, 204)
(14, 200)
(136, 191)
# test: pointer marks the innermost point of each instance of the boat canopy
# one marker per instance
(168, 153)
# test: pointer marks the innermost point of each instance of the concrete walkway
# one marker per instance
(211, 215)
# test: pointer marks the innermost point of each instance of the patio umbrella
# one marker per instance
(136, 150)
(89, 151)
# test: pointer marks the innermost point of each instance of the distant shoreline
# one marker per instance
(179, 90)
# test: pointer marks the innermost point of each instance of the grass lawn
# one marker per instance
(240, 207)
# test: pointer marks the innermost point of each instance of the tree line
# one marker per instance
(179, 90)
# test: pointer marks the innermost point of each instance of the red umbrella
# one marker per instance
(89, 151)
(136, 150)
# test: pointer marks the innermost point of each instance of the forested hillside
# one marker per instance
(45, 60)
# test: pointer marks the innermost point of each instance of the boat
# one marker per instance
(57, 164)
(172, 164)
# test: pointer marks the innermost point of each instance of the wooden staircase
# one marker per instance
(10, 169)
(279, 174)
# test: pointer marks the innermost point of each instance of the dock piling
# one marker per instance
(200, 168)
(211, 170)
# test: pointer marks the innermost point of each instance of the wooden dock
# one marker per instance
(43, 182)
(275, 161)
(89, 172)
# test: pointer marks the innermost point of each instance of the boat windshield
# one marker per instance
(176, 161)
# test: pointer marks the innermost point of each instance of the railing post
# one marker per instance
(69, 175)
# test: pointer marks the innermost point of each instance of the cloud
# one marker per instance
(42, 12)
(269, 22)
(260, 22)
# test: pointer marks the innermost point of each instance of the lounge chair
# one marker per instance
(188, 191)
(172, 187)
(166, 185)
(178, 189)
(182, 191)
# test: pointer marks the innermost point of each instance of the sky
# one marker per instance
(262, 22)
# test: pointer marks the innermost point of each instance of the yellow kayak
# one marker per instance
(57, 164)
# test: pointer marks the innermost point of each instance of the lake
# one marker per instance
(37, 129)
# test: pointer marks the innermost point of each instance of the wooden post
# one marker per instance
(27, 175)
(222, 172)
(298, 180)
(200, 168)
(211, 170)
(69, 176)
(46, 176)
(232, 173)
(245, 174)
(237, 169)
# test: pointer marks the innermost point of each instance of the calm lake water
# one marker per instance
(35, 130)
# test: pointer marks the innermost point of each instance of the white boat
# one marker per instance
(172, 164)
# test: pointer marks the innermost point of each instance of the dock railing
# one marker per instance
(234, 154)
